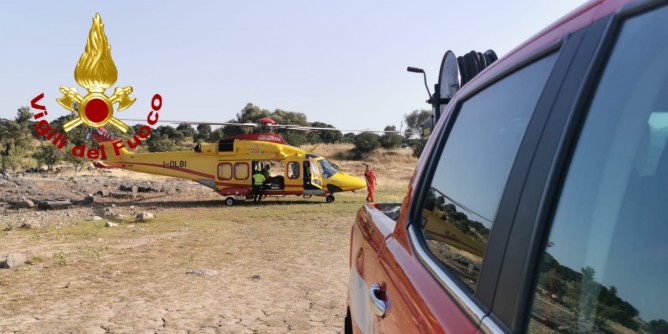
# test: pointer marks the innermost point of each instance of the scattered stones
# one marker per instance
(142, 188)
(135, 189)
(88, 200)
(95, 218)
(110, 224)
(145, 216)
(202, 272)
(54, 205)
(23, 203)
(31, 224)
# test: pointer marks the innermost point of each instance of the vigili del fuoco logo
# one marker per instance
(96, 72)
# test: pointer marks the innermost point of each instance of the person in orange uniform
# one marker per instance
(370, 177)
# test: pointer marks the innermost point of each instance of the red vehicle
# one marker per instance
(539, 202)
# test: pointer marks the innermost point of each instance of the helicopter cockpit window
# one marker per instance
(328, 170)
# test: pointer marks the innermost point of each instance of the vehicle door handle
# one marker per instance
(379, 305)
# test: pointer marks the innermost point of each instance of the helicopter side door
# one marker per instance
(293, 176)
(312, 175)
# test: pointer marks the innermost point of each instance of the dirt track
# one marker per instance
(280, 267)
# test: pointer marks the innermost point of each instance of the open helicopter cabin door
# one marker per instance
(314, 173)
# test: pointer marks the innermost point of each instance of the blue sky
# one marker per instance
(342, 62)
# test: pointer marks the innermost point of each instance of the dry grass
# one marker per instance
(281, 266)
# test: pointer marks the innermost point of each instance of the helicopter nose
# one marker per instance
(346, 182)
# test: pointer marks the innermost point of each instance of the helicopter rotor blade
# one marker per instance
(295, 127)
(314, 128)
(191, 122)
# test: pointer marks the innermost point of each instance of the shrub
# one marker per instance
(366, 142)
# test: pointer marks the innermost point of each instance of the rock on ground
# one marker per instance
(144, 216)
(15, 260)
(202, 272)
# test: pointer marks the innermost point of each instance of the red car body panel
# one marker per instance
(381, 251)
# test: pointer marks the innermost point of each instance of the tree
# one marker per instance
(75, 137)
(48, 155)
(588, 299)
(15, 138)
(161, 145)
(167, 131)
(251, 113)
(366, 142)
(418, 147)
(233, 130)
(217, 135)
(414, 122)
(294, 138)
(349, 138)
(391, 139)
(659, 326)
(288, 117)
(203, 132)
(327, 136)
(186, 129)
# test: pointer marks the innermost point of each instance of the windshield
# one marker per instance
(328, 170)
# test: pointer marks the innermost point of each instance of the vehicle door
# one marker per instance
(444, 279)
(588, 250)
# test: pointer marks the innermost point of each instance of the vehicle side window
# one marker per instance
(604, 266)
(241, 171)
(464, 194)
(225, 171)
(293, 170)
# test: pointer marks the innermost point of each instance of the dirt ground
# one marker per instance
(198, 267)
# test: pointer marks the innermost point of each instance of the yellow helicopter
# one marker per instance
(227, 166)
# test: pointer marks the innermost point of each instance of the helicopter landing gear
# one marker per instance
(330, 199)
(229, 201)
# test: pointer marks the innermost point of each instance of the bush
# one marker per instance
(48, 155)
(418, 147)
(295, 138)
(366, 142)
(161, 145)
(391, 140)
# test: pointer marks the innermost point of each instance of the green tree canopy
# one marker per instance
(414, 121)
(327, 136)
(48, 155)
(391, 139)
(203, 132)
(15, 138)
(366, 142)
(186, 129)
